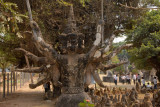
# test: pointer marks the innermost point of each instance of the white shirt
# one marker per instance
(115, 77)
(128, 77)
(155, 81)
(148, 86)
(123, 77)
(134, 77)
(143, 81)
(139, 77)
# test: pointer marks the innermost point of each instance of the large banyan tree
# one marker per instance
(80, 45)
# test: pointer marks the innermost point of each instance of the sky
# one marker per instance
(119, 39)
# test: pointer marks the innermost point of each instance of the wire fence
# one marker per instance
(11, 81)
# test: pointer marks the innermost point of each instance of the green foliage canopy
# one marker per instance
(9, 32)
(146, 40)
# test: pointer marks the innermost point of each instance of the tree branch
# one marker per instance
(109, 44)
(116, 51)
(135, 8)
(97, 79)
(37, 35)
(32, 56)
(41, 82)
(88, 74)
(33, 69)
(96, 43)
(104, 68)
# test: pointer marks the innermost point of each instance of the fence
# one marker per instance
(11, 81)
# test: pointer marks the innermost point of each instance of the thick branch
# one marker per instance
(37, 35)
(32, 56)
(88, 74)
(111, 66)
(41, 82)
(97, 79)
(109, 44)
(33, 69)
(135, 8)
(96, 43)
(55, 76)
(116, 51)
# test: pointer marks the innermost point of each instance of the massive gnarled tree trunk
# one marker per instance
(68, 69)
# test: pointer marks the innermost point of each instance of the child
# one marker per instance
(149, 86)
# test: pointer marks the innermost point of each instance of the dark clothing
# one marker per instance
(123, 81)
(144, 86)
(129, 81)
(115, 81)
(139, 80)
(155, 86)
(47, 87)
(134, 81)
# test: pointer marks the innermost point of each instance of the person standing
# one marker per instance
(139, 79)
(115, 79)
(155, 82)
(143, 82)
(123, 79)
(129, 79)
(134, 79)
(46, 87)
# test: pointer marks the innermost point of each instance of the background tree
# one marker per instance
(145, 37)
(10, 36)
(52, 15)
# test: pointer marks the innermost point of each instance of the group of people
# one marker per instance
(153, 81)
(127, 79)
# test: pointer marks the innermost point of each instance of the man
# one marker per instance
(47, 89)
(139, 79)
(123, 79)
(155, 82)
(128, 79)
(143, 82)
(115, 79)
(134, 79)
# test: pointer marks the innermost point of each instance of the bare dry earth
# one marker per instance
(26, 97)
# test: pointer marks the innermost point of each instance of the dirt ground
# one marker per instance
(26, 97)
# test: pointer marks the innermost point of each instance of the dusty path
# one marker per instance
(26, 97)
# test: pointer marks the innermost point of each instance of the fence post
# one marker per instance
(14, 83)
(4, 85)
(23, 78)
(20, 79)
(0, 84)
(11, 80)
(7, 83)
(16, 80)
